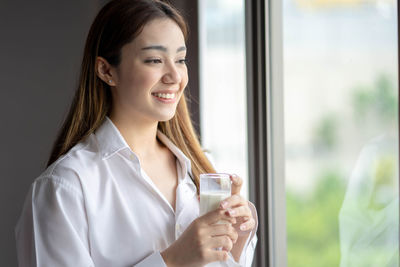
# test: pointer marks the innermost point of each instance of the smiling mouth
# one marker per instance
(164, 96)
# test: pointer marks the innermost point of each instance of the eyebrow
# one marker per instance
(163, 48)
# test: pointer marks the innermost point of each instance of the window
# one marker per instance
(341, 132)
(323, 131)
(322, 123)
(223, 85)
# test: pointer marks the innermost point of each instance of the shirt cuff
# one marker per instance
(246, 258)
(153, 260)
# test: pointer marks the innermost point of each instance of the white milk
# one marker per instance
(210, 201)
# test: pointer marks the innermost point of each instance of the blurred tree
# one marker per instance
(312, 219)
(378, 102)
(313, 233)
(325, 135)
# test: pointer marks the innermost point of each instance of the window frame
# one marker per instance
(398, 94)
(264, 62)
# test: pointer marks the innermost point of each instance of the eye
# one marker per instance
(153, 61)
(182, 61)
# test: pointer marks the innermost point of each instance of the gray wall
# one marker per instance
(41, 43)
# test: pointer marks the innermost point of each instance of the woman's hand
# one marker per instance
(238, 207)
(197, 245)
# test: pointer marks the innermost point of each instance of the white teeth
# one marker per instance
(166, 96)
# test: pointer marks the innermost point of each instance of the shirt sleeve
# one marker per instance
(246, 258)
(52, 230)
(154, 260)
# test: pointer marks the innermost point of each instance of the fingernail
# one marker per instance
(243, 227)
(224, 204)
(232, 212)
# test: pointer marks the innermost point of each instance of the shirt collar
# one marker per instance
(109, 139)
(183, 160)
(110, 142)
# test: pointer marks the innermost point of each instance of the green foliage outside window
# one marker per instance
(313, 218)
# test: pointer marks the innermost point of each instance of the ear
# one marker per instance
(105, 71)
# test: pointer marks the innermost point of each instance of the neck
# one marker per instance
(141, 136)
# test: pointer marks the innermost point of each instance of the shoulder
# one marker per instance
(68, 170)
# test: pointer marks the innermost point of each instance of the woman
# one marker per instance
(122, 183)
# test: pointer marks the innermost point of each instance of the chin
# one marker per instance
(166, 117)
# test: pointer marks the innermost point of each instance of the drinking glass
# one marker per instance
(214, 187)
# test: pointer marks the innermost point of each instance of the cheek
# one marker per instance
(139, 82)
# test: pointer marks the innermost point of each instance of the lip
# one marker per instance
(165, 100)
(166, 92)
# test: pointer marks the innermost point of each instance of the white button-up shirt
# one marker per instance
(95, 206)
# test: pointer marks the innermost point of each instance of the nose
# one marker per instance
(172, 74)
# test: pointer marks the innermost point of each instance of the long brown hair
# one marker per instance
(117, 24)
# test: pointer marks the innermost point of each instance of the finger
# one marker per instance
(224, 229)
(248, 225)
(233, 201)
(240, 211)
(237, 183)
(223, 242)
(232, 220)
(215, 216)
(217, 255)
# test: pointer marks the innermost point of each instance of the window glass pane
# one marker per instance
(341, 132)
(223, 81)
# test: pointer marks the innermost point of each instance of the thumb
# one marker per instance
(237, 183)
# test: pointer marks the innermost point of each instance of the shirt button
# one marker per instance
(177, 227)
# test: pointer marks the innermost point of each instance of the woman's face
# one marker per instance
(152, 74)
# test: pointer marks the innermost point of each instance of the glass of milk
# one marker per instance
(214, 187)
